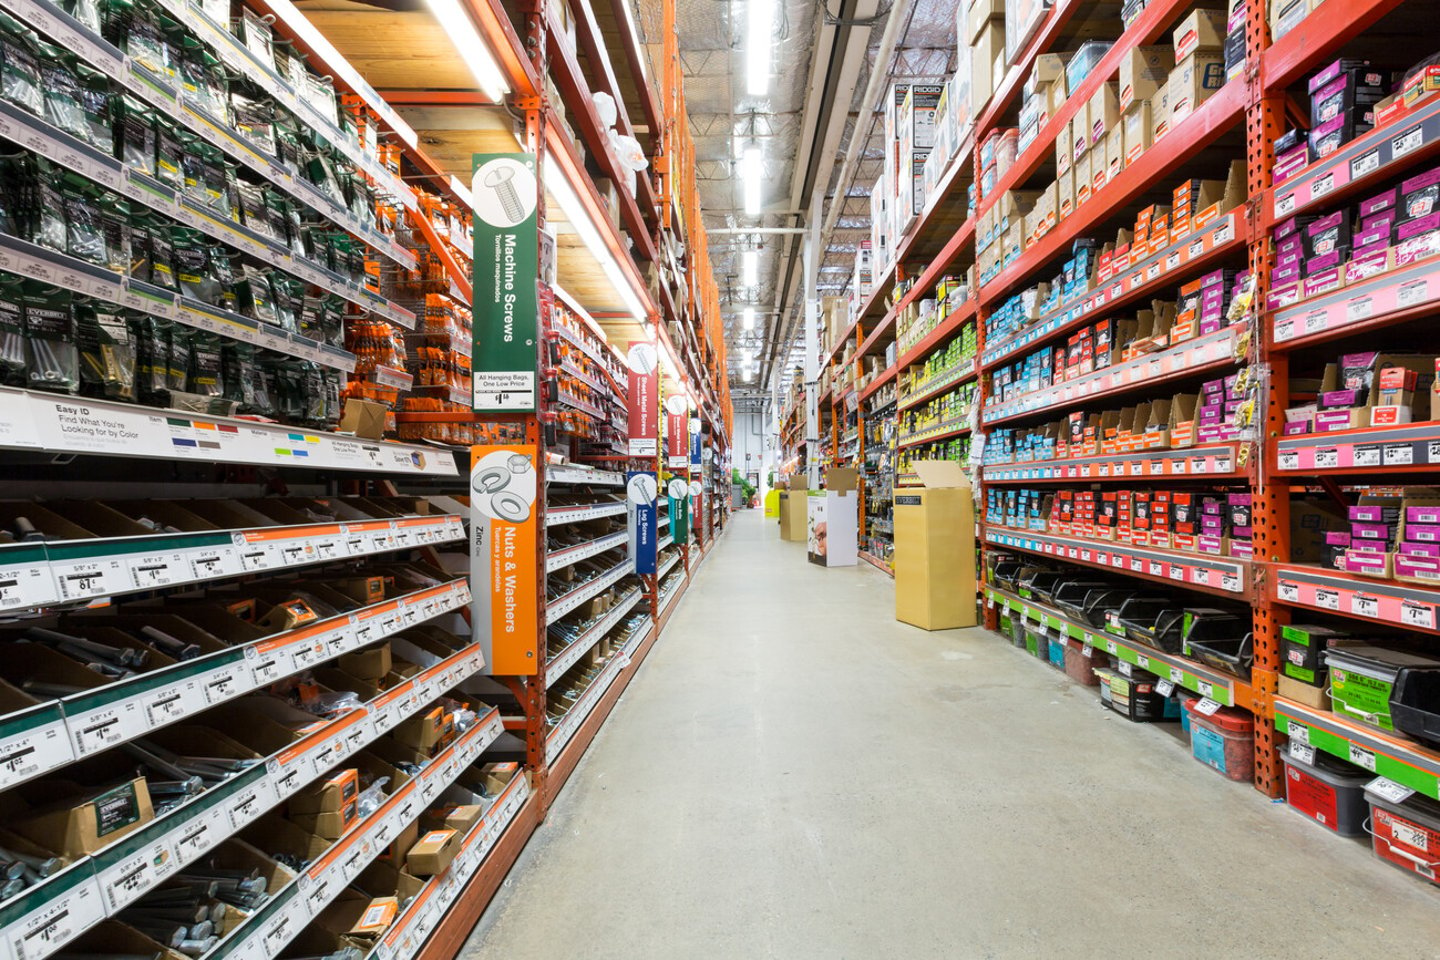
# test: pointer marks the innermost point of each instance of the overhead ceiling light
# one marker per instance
(749, 375)
(750, 174)
(579, 218)
(757, 47)
(750, 267)
(472, 49)
(747, 319)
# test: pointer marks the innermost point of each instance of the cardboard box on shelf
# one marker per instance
(1191, 83)
(432, 853)
(987, 64)
(974, 17)
(1102, 111)
(73, 822)
(1143, 72)
(363, 418)
(1203, 31)
(935, 548)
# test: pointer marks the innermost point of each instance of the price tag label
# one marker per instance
(1125, 668)
(1172, 260)
(1285, 204)
(1316, 320)
(1289, 460)
(1364, 606)
(1302, 752)
(1164, 687)
(1196, 249)
(1399, 454)
(1327, 458)
(1417, 615)
(1366, 455)
(1207, 707)
(1322, 185)
(1413, 292)
(1087, 651)
(1389, 789)
(1410, 837)
(1177, 675)
(1361, 757)
(1364, 164)
(1177, 572)
(1406, 142)
(1222, 233)
(1142, 661)
(1329, 599)
(1204, 688)
(1110, 646)
(1230, 582)
(1284, 330)
(1298, 733)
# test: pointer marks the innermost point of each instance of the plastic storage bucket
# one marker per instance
(1057, 653)
(1136, 699)
(1225, 740)
(1406, 834)
(1036, 643)
(1079, 667)
(1326, 792)
(1363, 678)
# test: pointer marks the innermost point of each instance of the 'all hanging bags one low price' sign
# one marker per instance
(506, 299)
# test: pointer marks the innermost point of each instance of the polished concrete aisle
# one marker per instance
(795, 775)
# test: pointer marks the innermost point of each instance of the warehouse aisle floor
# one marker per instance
(793, 774)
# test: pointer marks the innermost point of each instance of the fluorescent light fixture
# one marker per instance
(749, 357)
(749, 375)
(579, 218)
(750, 267)
(472, 49)
(758, 46)
(747, 319)
(750, 175)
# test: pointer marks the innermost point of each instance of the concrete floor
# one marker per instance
(793, 774)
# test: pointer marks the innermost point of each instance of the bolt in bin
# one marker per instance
(1069, 593)
(1327, 790)
(1004, 573)
(1057, 652)
(1158, 622)
(1232, 656)
(1301, 646)
(1079, 667)
(1092, 607)
(1406, 834)
(1225, 740)
(1362, 678)
(1040, 584)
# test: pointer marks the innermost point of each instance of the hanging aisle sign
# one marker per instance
(503, 488)
(506, 317)
(677, 433)
(643, 403)
(642, 490)
(679, 492)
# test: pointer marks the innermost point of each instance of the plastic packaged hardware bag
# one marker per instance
(64, 97)
(107, 353)
(20, 80)
(52, 361)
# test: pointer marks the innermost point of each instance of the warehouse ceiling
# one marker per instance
(823, 55)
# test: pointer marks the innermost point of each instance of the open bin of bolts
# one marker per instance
(1219, 639)
(1407, 833)
(1362, 680)
(1326, 789)
(1097, 603)
(1153, 620)
(1130, 692)
(1056, 651)
(1224, 740)
(1069, 593)
(1037, 582)
(1036, 643)
(1079, 667)
(1415, 704)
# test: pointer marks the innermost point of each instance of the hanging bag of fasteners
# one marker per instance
(115, 223)
(286, 292)
(20, 82)
(169, 154)
(313, 380)
(252, 208)
(95, 100)
(240, 376)
(151, 338)
(252, 295)
(330, 386)
(177, 366)
(84, 225)
(85, 11)
(222, 269)
(286, 218)
(51, 359)
(134, 135)
(287, 140)
(135, 31)
(319, 93)
(49, 215)
(12, 331)
(190, 250)
(64, 102)
(206, 368)
(202, 79)
(254, 117)
(320, 170)
(107, 352)
(259, 39)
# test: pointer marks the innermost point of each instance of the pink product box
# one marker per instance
(1212, 508)
(1212, 278)
(1214, 313)
(1367, 264)
(1212, 297)
(1288, 274)
(1356, 70)
(1286, 227)
(1415, 226)
(1283, 294)
(1242, 533)
(1290, 162)
(1295, 428)
(1231, 406)
(1322, 282)
(1329, 420)
(1209, 325)
(1371, 531)
(1338, 399)
(1370, 564)
(1424, 514)
(1289, 243)
(1242, 548)
(1288, 264)
(1381, 201)
(1412, 549)
(1386, 218)
(1377, 236)
(1370, 546)
(1337, 538)
(1417, 568)
(1322, 263)
(1230, 383)
(1424, 532)
(1214, 546)
(1419, 182)
(1372, 513)
(1421, 247)
(1214, 418)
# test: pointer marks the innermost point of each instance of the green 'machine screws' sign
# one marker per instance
(506, 309)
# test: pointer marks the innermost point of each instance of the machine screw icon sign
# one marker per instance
(499, 180)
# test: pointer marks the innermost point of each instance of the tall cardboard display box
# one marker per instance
(834, 520)
(794, 509)
(935, 549)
